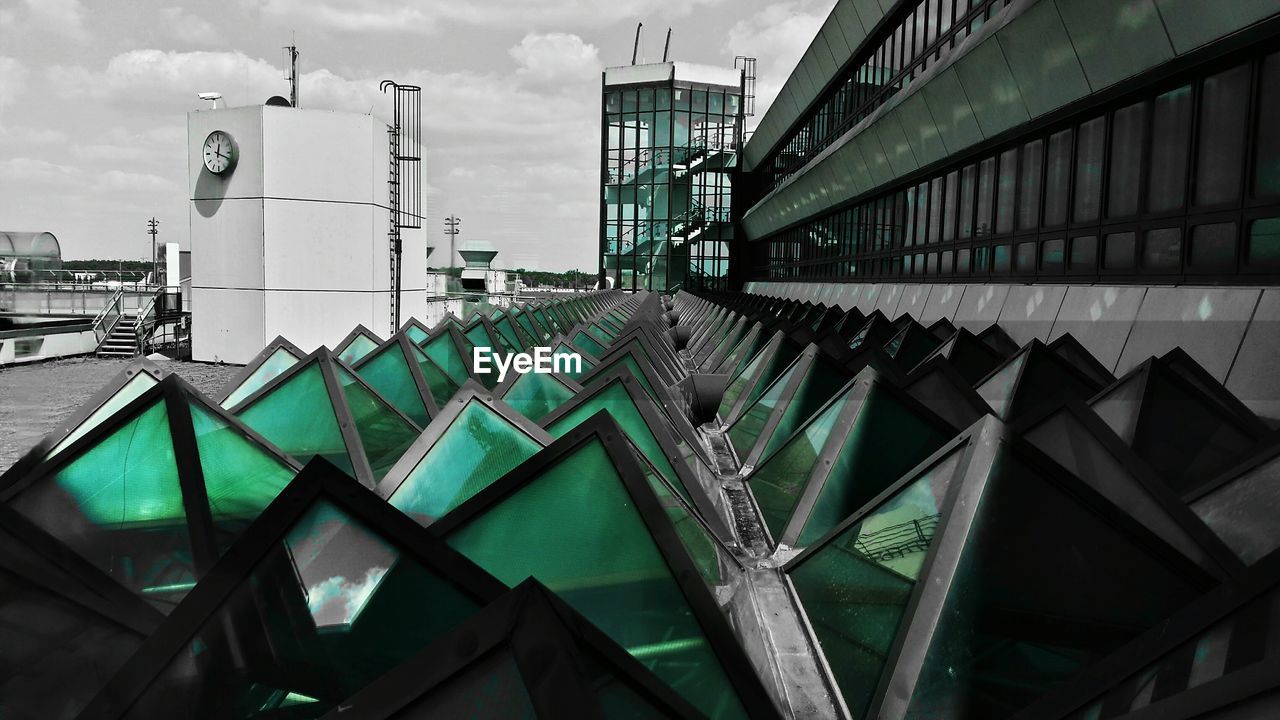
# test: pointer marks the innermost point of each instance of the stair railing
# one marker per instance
(109, 316)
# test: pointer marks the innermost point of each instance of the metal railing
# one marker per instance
(109, 316)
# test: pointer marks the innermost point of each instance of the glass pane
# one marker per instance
(129, 392)
(998, 389)
(1223, 114)
(490, 687)
(1243, 512)
(240, 477)
(478, 447)
(1025, 261)
(855, 588)
(297, 417)
(1129, 127)
(119, 505)
(1084, 254)
(1213, 248)
(1051, 256)
(1029, 185)
(270, 369)
(1057, 178)
(1090, 144)
(442, 386)
(745, 431)
(779, 481)
(1264, 244)
(1162, 250)
(388, 373)
(446, 355)
(1120, 252)
(359, 346)
(383, 434)
(1266, 171)
(329, 609)
(536, 394)
(1004, 191)
(1170, 149)
(605, 565)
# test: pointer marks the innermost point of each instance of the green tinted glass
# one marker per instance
(383, 434)
(478, 447)
(130, 391)
(355, 350)
(527, 325)
(703, 549)
(820, 382)
(630, 363)
(490, 687)
(416, 334)
(605, 564)
(442, 386)
(741, 382)
(119, 504)
(855, 587)
(536, 394)
(479, 336)
(586, 342)
(600, 334)
(778, 483)
(546, 321)
(444, 353)
(998, 389)
(298, 418)
(240, 477)
(617, 401)
(388, 373)
(326, 611)
(271, 368)
(508, 332)
(746, 430)
(886, 441)
(575, 370)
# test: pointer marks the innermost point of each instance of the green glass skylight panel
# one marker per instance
(546, 321)
(820, 382)
(508, 332)
(856, 587)
(297, 417)
(745, 431)
(778, 483)
(416, 334)
(764, 369)
(444, 353)
(588, 343)
(479, 336)
(600, 334)
(617, 401)
(384, 435)
(270, 369)
(240, 477)
(527, 324)
(742, 353)
(630, 363)
(741, 382)
(604, 564)
(388, 373)
(573, 372)
(332, 606)
(442, 386)
(695, 537)
(119, 504)
(478, 447)
(359, 346)
(536, 394)
(886, 440)
(131, 390)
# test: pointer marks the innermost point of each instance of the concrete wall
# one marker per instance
(294, 240)
(47, 346)
(1234, 332)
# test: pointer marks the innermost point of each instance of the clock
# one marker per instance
(220, 152)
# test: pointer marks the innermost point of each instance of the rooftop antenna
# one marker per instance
(636, 49)
(667, 47)
(292, 76)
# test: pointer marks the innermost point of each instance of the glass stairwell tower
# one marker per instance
(671, 133)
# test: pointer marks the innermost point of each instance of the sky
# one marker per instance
(94, 96)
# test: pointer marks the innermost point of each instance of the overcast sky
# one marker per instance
(93, 99)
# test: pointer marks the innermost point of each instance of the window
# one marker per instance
(1119, 252)
(1084, 254)
(1213, 248)
(1162, 250)
(962, 261)
(1057, 178)
(1002, 260)
(1266, 169)
(1004, 194)
(986, 182)
(949, 208)
(1051, 256)
(1170, 137)
(1222, 127)
(1026, 259)
(1125, 168)
(1090, 142)
(1029, 185)
(966, 201)
(1264, 245)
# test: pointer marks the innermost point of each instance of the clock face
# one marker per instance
(219, 152)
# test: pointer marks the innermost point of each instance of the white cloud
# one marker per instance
(13, 81)
(427, 16)
(555, 57)
(64, 17)
(188, 28)
(146, 184)
(778, 36)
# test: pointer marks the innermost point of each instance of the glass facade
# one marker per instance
(668, 155)
(1176, 181)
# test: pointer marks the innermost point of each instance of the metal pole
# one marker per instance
(667, 47)
(153, 225)
(636, 49)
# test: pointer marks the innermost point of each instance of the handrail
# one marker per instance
(145, 321)
(113, 303)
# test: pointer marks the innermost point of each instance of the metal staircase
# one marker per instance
(122, 341)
